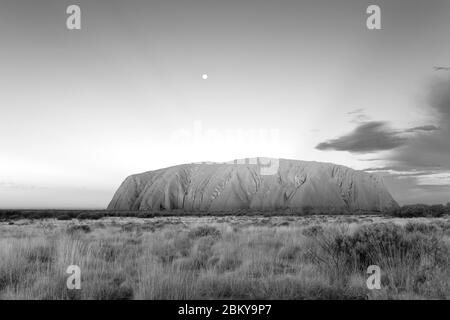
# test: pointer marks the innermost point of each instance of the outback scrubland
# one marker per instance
(407, 211)
(225, 257)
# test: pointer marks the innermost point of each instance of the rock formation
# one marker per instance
(213, 187)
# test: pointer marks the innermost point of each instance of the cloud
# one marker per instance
(397, 168)
(366, 138)
(428, 144)
(358, 116)
(356, 111)
(422, 128)
(371, 137)
(439, 98)
(431, 147)
(416, 164)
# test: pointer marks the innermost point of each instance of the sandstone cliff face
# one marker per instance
(224, 187)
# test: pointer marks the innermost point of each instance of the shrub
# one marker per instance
(109, 252)
(63, 217)
(228, 262)
(36, 216)
(202, 250)
(115, 289)
(307, 210)
(187, 264)
(290, 252)
(410, 211)
(12, 272)
(183, 245)
(78, 228)
(11, 214)
(437, 210)
(204, 231)
(89, 215)
(165, 252)
(419, 210)
(400, 254)
(130, 227)
(426, 228)
(83, 216)
(145, 214)
(41, 254)
(312, 231)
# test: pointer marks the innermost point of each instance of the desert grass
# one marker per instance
(317, 257)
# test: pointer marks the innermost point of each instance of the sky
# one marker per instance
(82, 109)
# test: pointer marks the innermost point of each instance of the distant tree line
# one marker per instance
(407, 211)
(420, 210)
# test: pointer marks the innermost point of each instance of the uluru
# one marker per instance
(294, 184)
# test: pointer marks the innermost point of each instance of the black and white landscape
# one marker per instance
(249, 149)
